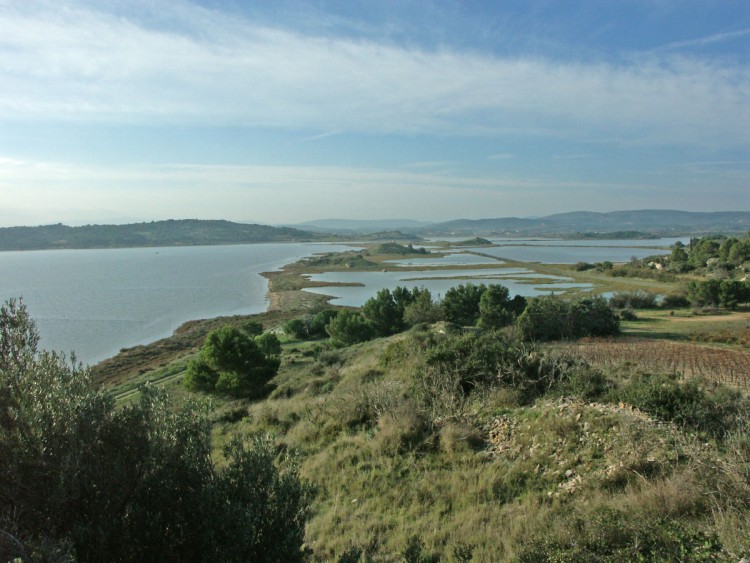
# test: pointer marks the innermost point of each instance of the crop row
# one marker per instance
(730, 367)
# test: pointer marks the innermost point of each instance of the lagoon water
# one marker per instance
(437, 281)
(572, 251)
(555, 251)
(94, 302)
(449, 259)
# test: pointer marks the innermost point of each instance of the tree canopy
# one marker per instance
(552, 318)
(349, 327)
(233, 363)
(384, 314)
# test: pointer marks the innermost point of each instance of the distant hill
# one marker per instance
(356, 226)
(628, 224)
(192, 232)
(186, 232)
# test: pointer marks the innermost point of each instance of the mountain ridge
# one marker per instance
(646, 222)
(172, 232)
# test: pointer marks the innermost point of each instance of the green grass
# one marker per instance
(720, 327)
(490, 479)
(486, 474)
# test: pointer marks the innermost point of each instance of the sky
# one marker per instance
(284, 111)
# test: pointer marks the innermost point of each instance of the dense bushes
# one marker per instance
(461, 304)
(470, 361)
(83, 480)
(684, 403)
(389, 312)
(726, 253)
(633, 300)
(349, 327)
(606, 534)
(384, 314)
(312, 326)
(495, 308)
(549, 318)
(723, 293)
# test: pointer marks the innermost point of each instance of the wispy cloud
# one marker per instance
(325, 135)
(703, 41)
(426, 164)
(75, 62)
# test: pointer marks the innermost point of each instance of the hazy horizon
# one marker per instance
(287, 112)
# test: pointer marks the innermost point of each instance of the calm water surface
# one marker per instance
(95, 302)
(572, 251)
(437, 281)
(451, 258)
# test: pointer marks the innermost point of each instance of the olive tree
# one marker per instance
(84, 480)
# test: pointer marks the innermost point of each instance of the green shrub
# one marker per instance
(495, 308)
(473, 359)
(546, 318)
(628, 315)
(316, 325)
(551, 318)
(269, 344)
(383, 313)
(459, 364)
(461, 304)
(684, 403)
(296, 328)
(606, 534)
(674, 301)
(422, 309)
(311, 326)
(349, 327)
(582, 381)
(231, 362)
(633, 300)
(200, 376)
(253, 328)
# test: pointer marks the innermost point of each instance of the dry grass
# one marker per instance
(489, 477)
(726, 366)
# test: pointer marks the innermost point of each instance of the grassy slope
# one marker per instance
(488, 476)
(483, 479)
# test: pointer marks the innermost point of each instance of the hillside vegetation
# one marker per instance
(442, 444)
(481, 447)
(187, 232)
(637, 223)
(476, 427)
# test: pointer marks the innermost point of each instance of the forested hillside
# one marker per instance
(186, 232)
(625, 224)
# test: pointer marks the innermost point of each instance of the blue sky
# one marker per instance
(287, 111)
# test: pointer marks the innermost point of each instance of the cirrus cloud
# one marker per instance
(77, 62)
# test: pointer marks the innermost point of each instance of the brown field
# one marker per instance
(722, 365)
